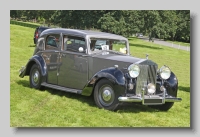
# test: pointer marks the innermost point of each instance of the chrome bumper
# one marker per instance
(150, 99)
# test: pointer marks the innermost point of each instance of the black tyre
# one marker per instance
(164, 107)
(104, 95)
(35, 77)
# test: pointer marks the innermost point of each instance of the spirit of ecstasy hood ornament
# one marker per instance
(147, 56)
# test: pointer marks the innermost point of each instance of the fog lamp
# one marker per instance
(151, 88)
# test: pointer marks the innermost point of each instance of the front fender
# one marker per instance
(114, 75)
(170, 84)
(36, 59)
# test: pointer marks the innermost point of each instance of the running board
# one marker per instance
(77, 91)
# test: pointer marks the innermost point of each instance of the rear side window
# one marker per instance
(41, 44)
(72, 43)
(52, 42)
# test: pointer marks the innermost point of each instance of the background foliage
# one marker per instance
(165, 24)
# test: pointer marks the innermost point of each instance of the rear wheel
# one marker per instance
(164, 107)
(35, 77)
(104, 95)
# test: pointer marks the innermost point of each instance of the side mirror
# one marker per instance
(80, 49)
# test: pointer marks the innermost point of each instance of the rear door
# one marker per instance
(51, 57)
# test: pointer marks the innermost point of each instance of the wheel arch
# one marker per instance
(114, 75)
(36, 59)
(171, 84)
(96, 84)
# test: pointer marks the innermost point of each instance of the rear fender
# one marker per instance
(36, 59)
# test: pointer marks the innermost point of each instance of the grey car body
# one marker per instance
(63, 59)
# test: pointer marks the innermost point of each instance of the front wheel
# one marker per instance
(164, 107)
(35, 77)
(104, 95)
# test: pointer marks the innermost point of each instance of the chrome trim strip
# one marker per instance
(143, 90)
(164, 94)
(130, 99)
(139, 99)
(77, 91)
(173, 99)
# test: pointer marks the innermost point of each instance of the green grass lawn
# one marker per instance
(52, 108)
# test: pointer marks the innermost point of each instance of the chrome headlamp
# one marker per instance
(164, 72)
(134, 70)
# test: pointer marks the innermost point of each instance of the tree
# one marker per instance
(183, 30)
(152, 22)
(16, 13)
(166, 24)
(47, 15)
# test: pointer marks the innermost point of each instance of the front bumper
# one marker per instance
(150, 99)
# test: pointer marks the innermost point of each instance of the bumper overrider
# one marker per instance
(150, 99)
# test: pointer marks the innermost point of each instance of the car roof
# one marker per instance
(83, 33)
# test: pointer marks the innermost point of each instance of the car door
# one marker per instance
(51, 57)
(73, 71)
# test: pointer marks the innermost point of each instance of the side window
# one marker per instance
(52, 42)
(41, 44)
(74, 44)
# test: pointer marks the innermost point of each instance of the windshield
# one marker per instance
(97, 45)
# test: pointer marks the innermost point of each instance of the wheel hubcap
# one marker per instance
(35, 77)
(106, 95)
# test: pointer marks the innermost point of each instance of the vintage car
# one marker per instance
(99, 64)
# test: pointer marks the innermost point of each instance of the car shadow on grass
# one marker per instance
(84, 99)
(187, 89)
(24, 83)
(134, 108)
(123, 107)
(144, 46)
(32, 45)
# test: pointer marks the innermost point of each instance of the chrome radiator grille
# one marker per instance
(147, 75)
